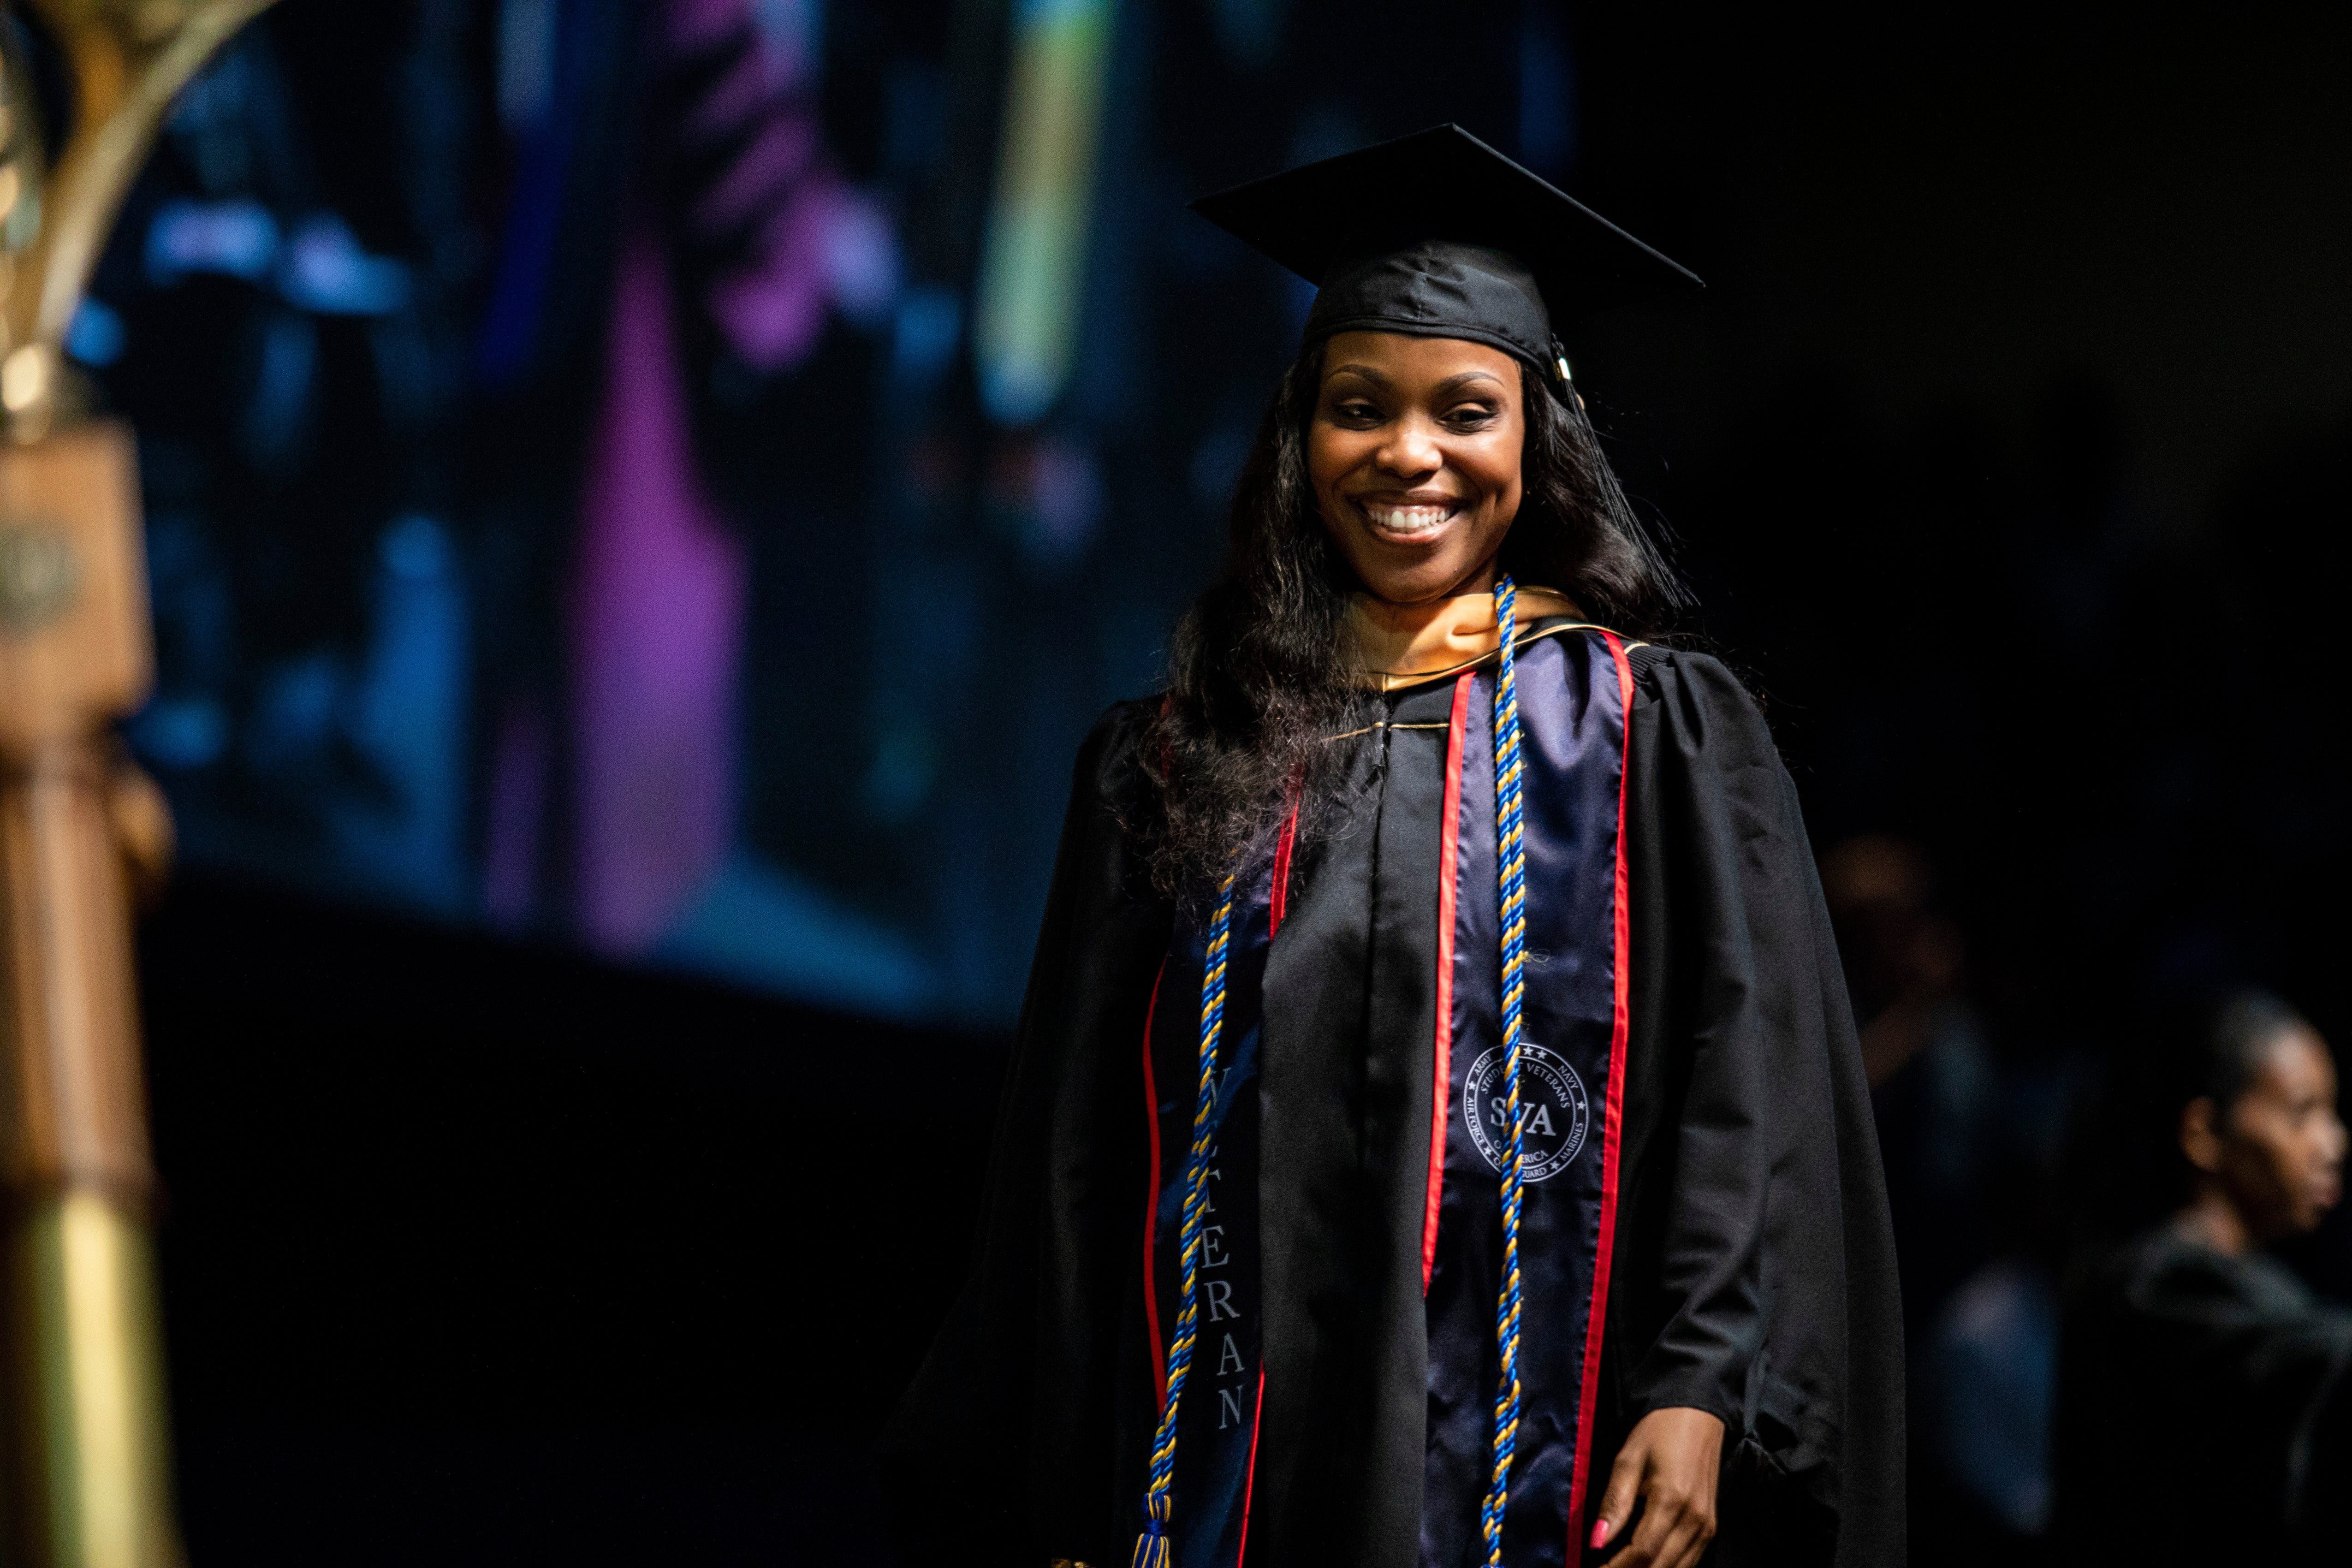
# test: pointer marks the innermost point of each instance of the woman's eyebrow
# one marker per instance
(1447, 388)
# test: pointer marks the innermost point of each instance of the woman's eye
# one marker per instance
(1470, 416)
(1359, 412)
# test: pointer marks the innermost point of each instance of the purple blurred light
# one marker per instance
(656, 615)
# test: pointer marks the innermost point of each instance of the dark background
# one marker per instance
(491, 1254)
(2007, 449)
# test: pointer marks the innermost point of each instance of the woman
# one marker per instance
(2203, 1401)
(1409, 1159)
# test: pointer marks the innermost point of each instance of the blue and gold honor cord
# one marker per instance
(1511, 864)
(1151, 1549)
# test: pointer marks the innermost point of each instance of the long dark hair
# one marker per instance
(1262, 670)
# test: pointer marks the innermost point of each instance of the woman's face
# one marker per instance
(2280, 1152)
(1414, 455)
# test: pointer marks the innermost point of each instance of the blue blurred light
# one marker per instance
(407, 713)
(180, 732)
(294, 714)
(930, 325)
(794, 31)
(861, 260)
(526, 62)
(1547, 91)
(97, 336)
(905, 769)
(418, 549)
(1251, 30)
(761, 924)
(235, 238)
(1217, 462)
(325, 270)
(278, 419)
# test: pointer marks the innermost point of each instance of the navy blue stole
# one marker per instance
(1574, 690)
(1216, 1430)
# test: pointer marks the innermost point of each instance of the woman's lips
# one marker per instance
(1406, 520)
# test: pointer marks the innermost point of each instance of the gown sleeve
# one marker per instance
(1756, 1274)
(1001, 1451)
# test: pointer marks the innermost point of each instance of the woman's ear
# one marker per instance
(2201, 1140)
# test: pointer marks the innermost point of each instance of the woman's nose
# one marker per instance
(1411, 450)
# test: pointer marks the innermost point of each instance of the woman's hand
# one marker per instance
(1670, 1462)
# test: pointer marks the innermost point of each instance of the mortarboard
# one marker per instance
(1487, 245)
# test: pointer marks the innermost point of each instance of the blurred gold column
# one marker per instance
(87, 1475)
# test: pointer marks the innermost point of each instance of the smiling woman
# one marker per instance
(1312, 582)
(1510, 1193)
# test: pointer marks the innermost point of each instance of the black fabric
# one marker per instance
(1314, 217)
(1340, 1455)
(1437, 288)
(1754, 1274)
(2202, 1407)
(1491, 252)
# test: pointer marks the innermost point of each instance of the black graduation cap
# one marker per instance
(1489, 243)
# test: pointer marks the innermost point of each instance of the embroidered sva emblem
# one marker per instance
(1552, 1099)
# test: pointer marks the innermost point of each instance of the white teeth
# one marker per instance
(1408, 519)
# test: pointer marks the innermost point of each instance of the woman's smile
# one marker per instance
(1415, 518)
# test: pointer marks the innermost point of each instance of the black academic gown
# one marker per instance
(1754, 1274)
(2203, 1408)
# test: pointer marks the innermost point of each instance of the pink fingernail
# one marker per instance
(1600, 1535)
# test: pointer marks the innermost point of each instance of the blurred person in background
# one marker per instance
(1970, 1140)
(2202, 1411)
(1435, 977)
(1932, 1077)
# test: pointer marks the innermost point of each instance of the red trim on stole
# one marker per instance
(1280, 900)
(1282, 871)
(1597, 1319)
(1249, 1477)
(1152, 1197)
(1449, 876)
